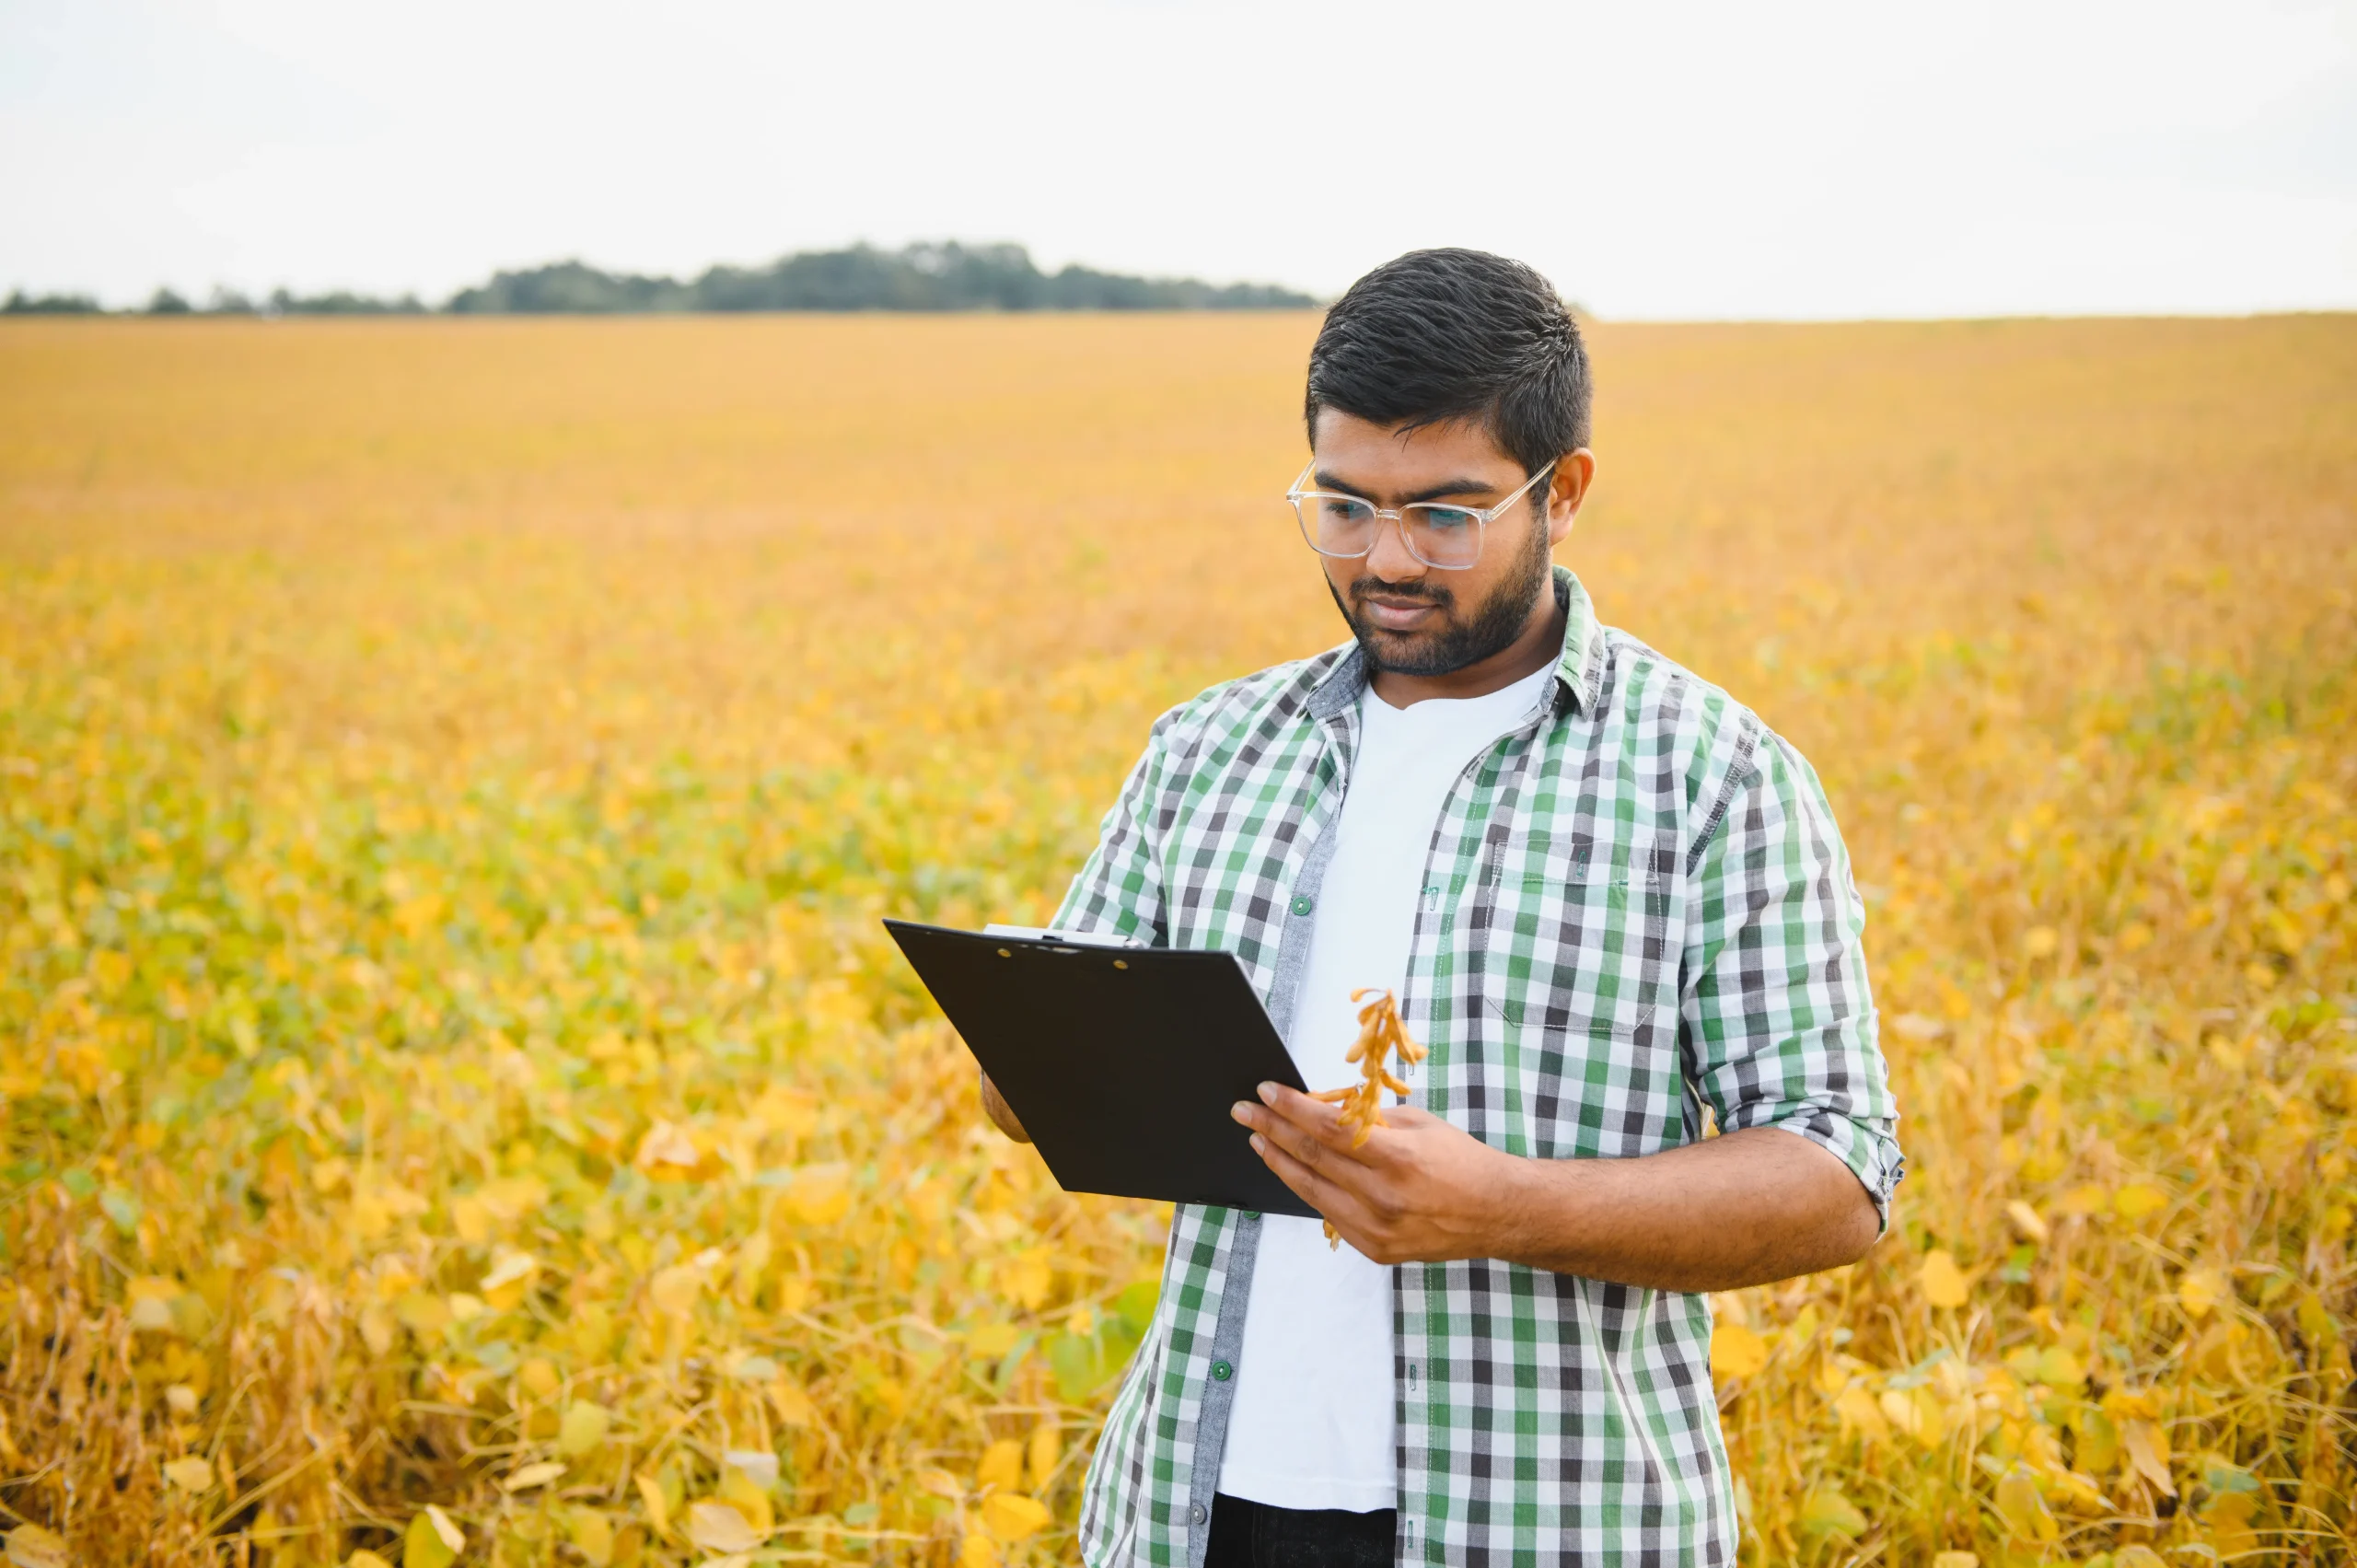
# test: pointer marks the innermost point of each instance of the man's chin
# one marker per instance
(1406, 653)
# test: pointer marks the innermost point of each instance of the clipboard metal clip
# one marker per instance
(1061, 937)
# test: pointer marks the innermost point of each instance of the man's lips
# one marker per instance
(1397, 614)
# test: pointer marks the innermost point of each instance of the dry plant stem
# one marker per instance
(1381, 1033)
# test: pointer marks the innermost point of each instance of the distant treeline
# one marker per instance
(948, 276)
(223, 302)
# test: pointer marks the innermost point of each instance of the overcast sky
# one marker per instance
(1742, 160)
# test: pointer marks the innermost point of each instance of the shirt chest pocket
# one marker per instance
(1580, 980)
(1585, 933)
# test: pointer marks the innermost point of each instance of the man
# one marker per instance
(1608, 899)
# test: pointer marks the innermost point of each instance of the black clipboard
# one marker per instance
(1121, 1062)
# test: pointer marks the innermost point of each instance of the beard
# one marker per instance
(1492, 629)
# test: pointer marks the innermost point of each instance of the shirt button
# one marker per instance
(1251, 1213)
(1199, 1513)
(1222, 1372)
(1303, 904)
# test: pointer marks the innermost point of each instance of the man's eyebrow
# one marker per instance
(1323, 481)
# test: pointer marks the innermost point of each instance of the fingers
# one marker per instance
(1338, 1205)
(1312, 1113)
(1281, 1132)
(1356, 1136)
(1329, 1151)
(1321, 1116)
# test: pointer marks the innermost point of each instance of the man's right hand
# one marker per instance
(1001, 1113)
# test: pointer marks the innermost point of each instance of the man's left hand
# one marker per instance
(1418, 1190)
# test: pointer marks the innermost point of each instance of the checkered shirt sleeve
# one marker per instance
(1779, 1020)
(1119, 890)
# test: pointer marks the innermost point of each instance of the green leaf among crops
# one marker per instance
(1827, 1511)
(432, 1540)
(1136, 1304)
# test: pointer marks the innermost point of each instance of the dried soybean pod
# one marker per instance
(1381, 1033)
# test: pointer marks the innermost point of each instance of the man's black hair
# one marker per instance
(1436, 336)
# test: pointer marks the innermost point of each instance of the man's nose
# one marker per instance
(1390, 558)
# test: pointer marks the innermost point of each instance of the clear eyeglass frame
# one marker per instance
(1420, 522)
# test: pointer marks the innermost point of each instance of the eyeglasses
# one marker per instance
(1347, 527)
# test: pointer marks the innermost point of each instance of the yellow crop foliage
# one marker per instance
(455, 1097)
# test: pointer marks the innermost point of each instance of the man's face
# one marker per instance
(1418, 619)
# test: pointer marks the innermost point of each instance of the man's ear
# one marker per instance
(1566, 490)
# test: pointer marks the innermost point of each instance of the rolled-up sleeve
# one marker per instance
(1777, 1020)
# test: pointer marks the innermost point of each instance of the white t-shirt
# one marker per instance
(1312, 1425)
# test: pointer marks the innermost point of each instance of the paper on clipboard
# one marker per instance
(1056, 934)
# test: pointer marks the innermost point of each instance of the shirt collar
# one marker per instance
(1578, 672)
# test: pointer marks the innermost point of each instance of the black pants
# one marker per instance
(1255, 1535)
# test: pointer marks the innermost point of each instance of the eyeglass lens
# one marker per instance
(1438, 535)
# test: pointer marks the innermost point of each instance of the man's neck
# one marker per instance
(1538, 645)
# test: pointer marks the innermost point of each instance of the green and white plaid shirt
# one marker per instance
(1635, 903)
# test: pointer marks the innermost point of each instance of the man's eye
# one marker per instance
(1450, 519)
(1338, 510)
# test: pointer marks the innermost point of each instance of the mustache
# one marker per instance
(1430, 593)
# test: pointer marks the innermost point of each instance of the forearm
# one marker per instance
(1755, 1205)
(1752, 1206)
